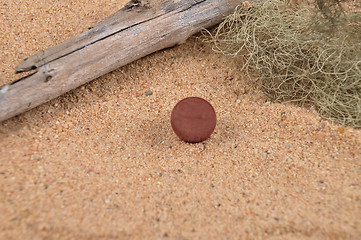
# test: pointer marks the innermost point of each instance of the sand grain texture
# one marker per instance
(102, 162)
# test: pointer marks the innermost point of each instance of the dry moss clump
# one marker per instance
(307, 54)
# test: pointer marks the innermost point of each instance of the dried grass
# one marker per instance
(307, 54)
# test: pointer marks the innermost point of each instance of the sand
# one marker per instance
(102, 162)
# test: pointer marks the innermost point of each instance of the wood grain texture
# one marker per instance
(138, 29)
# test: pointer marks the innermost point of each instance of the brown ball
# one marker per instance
(193, 119)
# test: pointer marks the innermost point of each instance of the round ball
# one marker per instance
(193, 119)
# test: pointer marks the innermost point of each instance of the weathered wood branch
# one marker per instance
(140, 28)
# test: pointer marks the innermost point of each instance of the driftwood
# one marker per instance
(140, 28)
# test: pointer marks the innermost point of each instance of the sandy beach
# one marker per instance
(102, 161)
